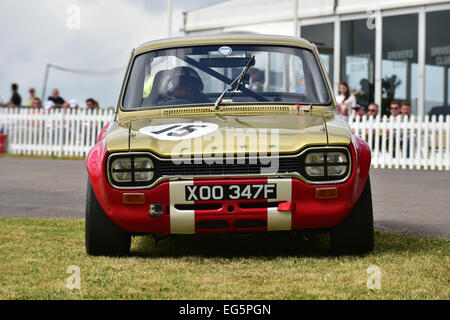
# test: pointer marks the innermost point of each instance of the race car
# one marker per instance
(227, 134)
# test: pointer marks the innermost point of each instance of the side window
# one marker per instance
(151, 69)
(299, 76)
(286, 73)
(276, 66)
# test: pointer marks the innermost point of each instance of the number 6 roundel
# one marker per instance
(179, 131)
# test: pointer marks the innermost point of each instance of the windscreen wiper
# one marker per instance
(239, 82)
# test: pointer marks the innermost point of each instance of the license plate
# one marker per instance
(231, 192)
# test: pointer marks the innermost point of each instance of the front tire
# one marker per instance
(102, 236)
(355, 234)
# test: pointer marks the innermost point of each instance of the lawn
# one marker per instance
(35, 255)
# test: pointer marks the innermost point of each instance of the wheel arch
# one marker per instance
(95, 165)
(362, 162)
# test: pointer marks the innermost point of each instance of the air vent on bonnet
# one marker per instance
(254, 109)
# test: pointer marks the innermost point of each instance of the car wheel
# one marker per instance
(355, 234)
(102, 236)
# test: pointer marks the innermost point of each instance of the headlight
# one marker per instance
(131, 170)
(332, 165)
(143, 169)
(121, 170)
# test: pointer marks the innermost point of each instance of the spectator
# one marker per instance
(345, 99)
(395, 111)
(372, 113)
(372, 110)
(32, 97)
(359, 111)
(91, 104)
(36, 104)
(301, 87)
(256, 80)
(56, 99)
(395, 108)
(406, 109)
(365, 93)
(148, 81)
(16, 99)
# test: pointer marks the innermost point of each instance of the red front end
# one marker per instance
(297, 205)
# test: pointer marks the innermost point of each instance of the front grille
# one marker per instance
(285, 165)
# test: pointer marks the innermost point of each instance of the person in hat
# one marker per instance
(73, 104)
(49, 105)
(185, 85)
(359, 110)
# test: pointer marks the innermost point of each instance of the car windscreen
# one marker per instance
(201, 75)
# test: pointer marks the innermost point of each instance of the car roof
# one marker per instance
(224, 39)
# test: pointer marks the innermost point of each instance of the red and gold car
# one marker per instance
(227, 134)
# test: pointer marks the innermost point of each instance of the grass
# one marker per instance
(35, 254)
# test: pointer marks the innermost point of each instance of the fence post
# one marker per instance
(433, 142)
(384, 124)
(411, 142)
(61, 133)
(447, 140)
(418, 158)
(440, 141)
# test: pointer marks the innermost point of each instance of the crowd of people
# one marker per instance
(54, 101)
(346, 102)
(347, 105)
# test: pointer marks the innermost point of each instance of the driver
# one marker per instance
(186, 84)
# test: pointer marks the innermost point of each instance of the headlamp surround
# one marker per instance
(131, 170)
(325, 165)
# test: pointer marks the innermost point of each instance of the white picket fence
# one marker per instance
(402, 143)
(54, 132)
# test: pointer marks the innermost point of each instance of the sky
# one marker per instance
(34, 33)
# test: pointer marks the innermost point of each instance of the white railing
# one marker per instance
(402, 143)
(55, 132)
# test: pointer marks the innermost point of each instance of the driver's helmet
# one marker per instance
(187, 79)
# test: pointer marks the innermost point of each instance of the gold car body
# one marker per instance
(295, 127)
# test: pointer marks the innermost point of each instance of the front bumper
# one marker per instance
(179, 216)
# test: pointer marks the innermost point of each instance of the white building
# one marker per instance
(370, 44)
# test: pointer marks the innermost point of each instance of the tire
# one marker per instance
(102, 236)
(355, 234)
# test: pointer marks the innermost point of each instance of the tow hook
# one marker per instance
(156, 210)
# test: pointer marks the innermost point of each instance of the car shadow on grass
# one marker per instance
(261, 245)
(270, 245)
